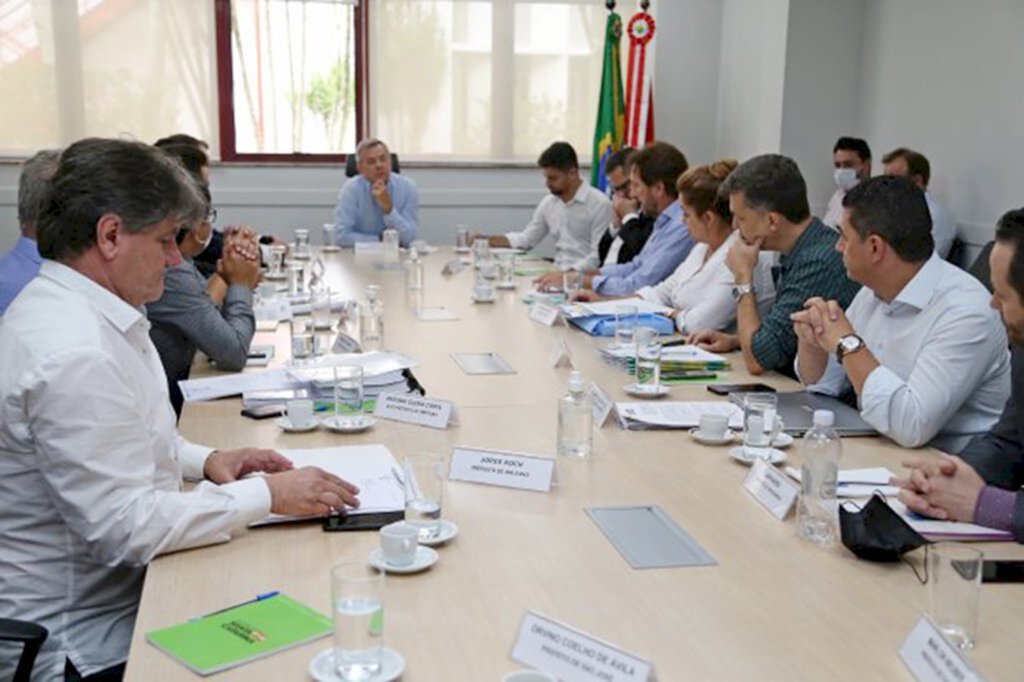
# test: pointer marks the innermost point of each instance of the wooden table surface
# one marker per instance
(773, 608)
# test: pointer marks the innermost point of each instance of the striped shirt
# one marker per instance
(812, 268)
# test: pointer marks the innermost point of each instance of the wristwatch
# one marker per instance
(851, 343)
(741, 290)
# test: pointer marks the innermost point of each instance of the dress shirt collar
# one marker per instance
(116, 310)
(673, 213)
(581, 195)
(918, 292)
(28, 248)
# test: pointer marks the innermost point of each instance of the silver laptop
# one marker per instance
(797, 411)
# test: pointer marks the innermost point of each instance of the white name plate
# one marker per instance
(454, 266)
(602, 404)
(574, 656)
(505, 469)
(544, 313)
(769, 486)
(413, 409)
(559, 356)
(931, 658)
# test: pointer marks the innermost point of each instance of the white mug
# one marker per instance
(398, 543)
(713, 425)
(300, 412)
(483, 291)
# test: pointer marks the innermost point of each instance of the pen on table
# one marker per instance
(674, 342)
(259, 597)
(398, 476)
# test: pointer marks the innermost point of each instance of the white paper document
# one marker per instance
(211, 388)
(859, 482)
(669, 354)
(370, 467)
(580, 309)
(674, 415)
(947, 530)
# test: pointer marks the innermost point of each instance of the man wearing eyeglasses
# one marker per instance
(630, 226)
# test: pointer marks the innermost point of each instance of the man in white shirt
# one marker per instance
(906, 163)
(574, 214)
(919, 344)
(91, 464)
(851, 157)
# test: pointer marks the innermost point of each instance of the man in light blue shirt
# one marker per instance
(376, 199)
(19, 265)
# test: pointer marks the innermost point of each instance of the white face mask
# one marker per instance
(846, 178)
(206, 242)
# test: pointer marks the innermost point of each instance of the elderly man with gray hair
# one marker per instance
(19, 265)
(376, 199)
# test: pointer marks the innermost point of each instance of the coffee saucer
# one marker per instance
(507, 286)
(781, 441)
(286, 425)
(477, 299)
(447, 531)
(341, 423)
(392, 665)
(275, 277)
(425, 558)
(462, 249)
(644, 391)
(739, 454)
(728, 437)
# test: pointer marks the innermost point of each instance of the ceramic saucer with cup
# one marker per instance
(646, 390)
(400, 551)
(446, 532)
(349, 423)
(299, 417)
(713, 430)
(483, 292)
(425, 558)
(743, 456)
(392, 665)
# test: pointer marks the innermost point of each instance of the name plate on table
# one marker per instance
(574, 656)
(771, 488)
(931, 658)
(602, 404)
(544, 313)
(505, 469)
(559, 356)
(412, 409)
(453, 267)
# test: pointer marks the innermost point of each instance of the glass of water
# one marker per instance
(759, 424)
(357, 597)
(301, 244)
(572, 282)
(302, 339)
(625, 322)
(954, 585)
(275, 269)
(330, 237)
(648, 359)
(481, 252)
(296, 279)
(348, 389)
(506, 271)
(461, 237)
(423, 478)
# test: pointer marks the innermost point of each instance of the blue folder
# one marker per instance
(604, 325)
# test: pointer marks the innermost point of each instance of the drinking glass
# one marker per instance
(301, 244)
(348, 389)
(461, 237)
(390, 240)
(302, 338)
(625, 322)
(331, 237)
(321, 309)
(275, 269)
(296, 279)
(423, 479)
(759, 424)
(954, 584)
(648, 359)
(572, 282)
(357, 597)
(481, 252)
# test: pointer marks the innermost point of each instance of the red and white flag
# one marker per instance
(640, 81)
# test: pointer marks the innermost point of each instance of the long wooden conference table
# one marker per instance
(773, 608)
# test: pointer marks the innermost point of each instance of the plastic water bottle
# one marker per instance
(371, 320)
(575, 420)
(414, 281)
(817, 513)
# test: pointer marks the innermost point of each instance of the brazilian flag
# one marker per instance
(611, 115)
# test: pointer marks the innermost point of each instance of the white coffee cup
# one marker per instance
(398, 543)
(488, 270)
(300, 412)
(713, 425)
(483, 291)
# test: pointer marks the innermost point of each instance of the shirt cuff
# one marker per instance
(628, 217)
(876, 395)
(596, 281)
(251, 496)
(192, 458)
(995, 508)
(648, 294)
(239, 292)
(514, 240)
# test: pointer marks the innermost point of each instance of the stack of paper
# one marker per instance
(934, 529)
(638, 416)
(677, 362)
(859, 482)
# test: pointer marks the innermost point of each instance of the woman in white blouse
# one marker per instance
(700, 290)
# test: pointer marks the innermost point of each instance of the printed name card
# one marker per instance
(574, 656)
(545, 313)
(505, 469)
(413, 409)
(559, 356)
(931, 658)
(602, 404)
(771, 488)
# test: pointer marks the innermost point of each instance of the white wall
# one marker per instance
(946, 77)
(750, 78)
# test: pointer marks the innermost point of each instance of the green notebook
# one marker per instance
(238, 635)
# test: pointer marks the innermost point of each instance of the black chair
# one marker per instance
(351, 170)
(29, 634)
(980, 267)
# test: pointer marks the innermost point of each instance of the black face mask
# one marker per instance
(876, 532)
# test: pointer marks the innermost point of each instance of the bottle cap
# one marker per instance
(824, 418)
(413, 253)
(575, 381)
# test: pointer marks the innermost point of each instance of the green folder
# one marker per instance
(237, 635)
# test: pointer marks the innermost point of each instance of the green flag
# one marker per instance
(611, 117)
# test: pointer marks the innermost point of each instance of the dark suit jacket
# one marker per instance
(998, 456)
(634, 235)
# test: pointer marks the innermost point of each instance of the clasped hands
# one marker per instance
(821, 324)
(946, 488)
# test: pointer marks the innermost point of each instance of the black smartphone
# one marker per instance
(1002, 572)
(263, 411)
(726, 389)
(334, 524)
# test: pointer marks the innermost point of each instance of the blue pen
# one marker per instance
(259, 597)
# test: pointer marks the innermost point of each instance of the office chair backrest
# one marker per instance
(31, 636)
(350, 165)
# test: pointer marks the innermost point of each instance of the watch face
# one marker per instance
(850, 343)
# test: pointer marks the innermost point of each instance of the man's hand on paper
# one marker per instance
(310, 491)
(714, 341)
(945, 489)
(224, 466)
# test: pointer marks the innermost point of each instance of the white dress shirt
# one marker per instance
(576, 225)
(944, 372)
(701, 288)
(91, 468)
(834, 211)
(943, 225)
